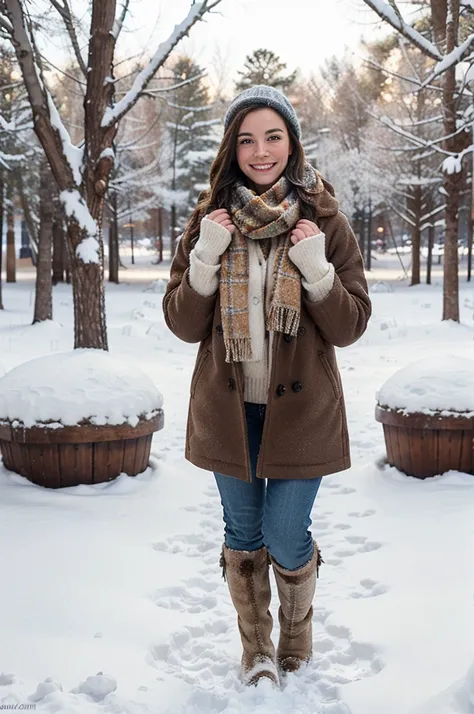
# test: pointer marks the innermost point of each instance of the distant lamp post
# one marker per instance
(381, 238)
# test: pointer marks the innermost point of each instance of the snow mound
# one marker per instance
(443, 386)
(97, 686)
(381, 287)
(45, 688)
(157, 286)
(67, 388)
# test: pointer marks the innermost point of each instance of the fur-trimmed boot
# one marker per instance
(248, 578)
(296, 590)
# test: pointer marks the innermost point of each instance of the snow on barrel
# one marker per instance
(80, 417)
(442, 386)
(427, 412)
(84, 385)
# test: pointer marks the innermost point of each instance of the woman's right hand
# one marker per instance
(222, 217)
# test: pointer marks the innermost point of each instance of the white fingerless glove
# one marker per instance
(309, 256)
(204, 259)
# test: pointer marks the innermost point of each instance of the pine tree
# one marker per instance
(264, 67)
(194, 139)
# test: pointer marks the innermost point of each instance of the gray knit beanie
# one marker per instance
(262, 95)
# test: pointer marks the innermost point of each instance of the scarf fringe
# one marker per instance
(238, 349)
(283, 319)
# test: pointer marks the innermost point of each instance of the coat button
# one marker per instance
(288, 338)
(301, 331)
(231, 383)
(219, 330)
(281, 389)
(297, 386)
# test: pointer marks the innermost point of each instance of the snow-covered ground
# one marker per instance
(111, 597)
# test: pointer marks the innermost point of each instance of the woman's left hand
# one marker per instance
(303, 229)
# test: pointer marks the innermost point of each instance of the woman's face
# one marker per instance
(263, 148)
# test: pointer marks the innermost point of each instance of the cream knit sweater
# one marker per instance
(317, 279)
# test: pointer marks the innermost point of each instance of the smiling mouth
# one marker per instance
(262, 167)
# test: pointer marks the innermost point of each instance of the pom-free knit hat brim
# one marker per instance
(259, 96)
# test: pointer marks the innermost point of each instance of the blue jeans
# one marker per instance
(270, 512)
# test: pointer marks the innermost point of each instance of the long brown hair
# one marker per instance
(225, 172)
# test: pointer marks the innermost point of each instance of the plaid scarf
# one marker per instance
(272, 214)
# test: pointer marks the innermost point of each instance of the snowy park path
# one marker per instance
(112, 598)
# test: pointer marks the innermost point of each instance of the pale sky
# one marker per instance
(302, 32)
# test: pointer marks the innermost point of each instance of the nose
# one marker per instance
(261, 150)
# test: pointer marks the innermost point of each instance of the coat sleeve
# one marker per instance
(343, 315)
(188, 315)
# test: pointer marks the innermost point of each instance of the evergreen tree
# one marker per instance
(194, 139)
(264, 67)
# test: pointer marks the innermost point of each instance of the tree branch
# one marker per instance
(451, 59)
(118, 24)
(391, 15)
(196, 13)
(68, 20)
(48, 127)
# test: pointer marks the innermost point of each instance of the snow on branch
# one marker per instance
(113, 114)
(390, 14)
(453, 164)
(453, 58)
(44, 110)
(160, 90)
(71, 153)
(5, 125)
(75, 208)
(118, 24)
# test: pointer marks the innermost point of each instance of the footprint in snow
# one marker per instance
(195, 596)
(207, 657)
(6, 679)
(362, 514)
(369, 588)
(365, 546)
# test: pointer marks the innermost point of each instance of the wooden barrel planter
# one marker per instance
(80, 417)
(81, 454)
(424, 445)
(427, 412)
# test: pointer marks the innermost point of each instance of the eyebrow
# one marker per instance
(248, 133)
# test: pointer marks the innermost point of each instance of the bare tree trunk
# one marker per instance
(452, 181)
(416, 236)
(27, 216)
(173, 231)
(44, 283)
(469, 244)
(470, 225)
(11, 253)
(2, 189)
(89, 299)
(160, 234)
(113, 241)
(361, 220)
(429, 263)
(59, 247)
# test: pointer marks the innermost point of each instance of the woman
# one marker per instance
(268, 277)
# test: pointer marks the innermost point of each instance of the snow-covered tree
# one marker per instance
(264, 67)
(194, 136)
(82, 172)
(443, 33)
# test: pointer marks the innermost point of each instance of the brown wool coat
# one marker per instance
(305, 432)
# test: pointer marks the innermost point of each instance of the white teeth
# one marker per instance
(262, 167)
